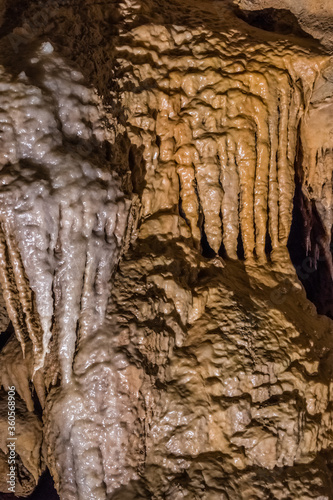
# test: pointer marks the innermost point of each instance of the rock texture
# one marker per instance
(158, 161)
(314, 17)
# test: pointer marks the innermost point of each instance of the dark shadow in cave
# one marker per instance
(240, 247)
(138, 169)
(14, 15)
(44, 490)
(280, 21)
(5, 336)
(312, 270)
(206, 249)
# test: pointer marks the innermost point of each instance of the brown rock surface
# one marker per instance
(313, 16)
(158, 160)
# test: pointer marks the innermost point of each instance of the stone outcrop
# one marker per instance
(165, 217)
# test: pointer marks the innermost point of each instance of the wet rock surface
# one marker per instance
(165, 217)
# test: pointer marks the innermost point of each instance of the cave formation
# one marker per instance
(166, 214)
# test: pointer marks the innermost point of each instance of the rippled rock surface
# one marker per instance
(166, 249)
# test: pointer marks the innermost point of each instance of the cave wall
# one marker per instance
(166, 181)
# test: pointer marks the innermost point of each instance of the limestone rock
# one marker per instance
(165, 182)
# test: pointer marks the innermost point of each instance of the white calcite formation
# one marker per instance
(163, 371)
(63, 216)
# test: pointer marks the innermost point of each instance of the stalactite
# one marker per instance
(60, 247)
(316, 179)
(63, 218)
(232, 129)
(215, 118)
(10, 294)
